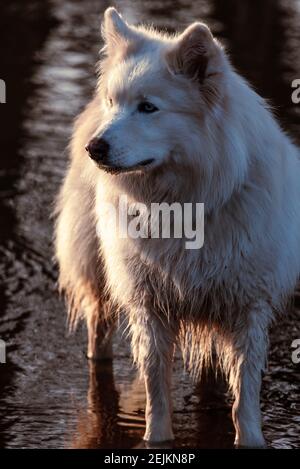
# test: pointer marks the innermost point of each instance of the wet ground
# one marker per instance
(50, 396)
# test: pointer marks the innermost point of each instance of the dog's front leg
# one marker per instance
(153, 349)
(248, 360)
(100, 332)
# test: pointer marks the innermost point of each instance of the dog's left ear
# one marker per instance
(116, 32)
(193, 52)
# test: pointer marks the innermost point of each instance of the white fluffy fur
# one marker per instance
(215, 141)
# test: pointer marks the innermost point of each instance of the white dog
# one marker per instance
(171, 121)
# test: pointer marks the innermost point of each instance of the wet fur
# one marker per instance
(233, 157)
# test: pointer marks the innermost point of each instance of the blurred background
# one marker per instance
(50, 396)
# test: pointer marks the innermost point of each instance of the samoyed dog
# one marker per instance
(172, 122)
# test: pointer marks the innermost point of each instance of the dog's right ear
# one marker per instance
(117, 34)
(193, 53)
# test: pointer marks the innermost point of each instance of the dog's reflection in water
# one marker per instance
(102, 424)
(114, 416)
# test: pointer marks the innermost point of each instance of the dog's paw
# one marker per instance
(158, 445)
(159, 435)
(258, 444)
(265, 446)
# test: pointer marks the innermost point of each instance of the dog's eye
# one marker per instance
(110, 102)
(147, 107)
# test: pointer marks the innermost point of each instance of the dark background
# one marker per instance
(49, 395)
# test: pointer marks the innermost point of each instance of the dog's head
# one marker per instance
(156, 93)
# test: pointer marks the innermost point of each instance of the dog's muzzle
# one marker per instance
(98, 150)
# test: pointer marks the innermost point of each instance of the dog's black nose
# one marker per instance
(98, 149)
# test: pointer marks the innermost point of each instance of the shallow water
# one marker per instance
(50, 396)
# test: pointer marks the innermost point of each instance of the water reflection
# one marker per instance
(100, 423)
(114, 413)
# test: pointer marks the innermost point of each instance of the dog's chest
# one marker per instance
(162, 269)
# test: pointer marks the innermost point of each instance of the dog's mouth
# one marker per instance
(121, 169)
